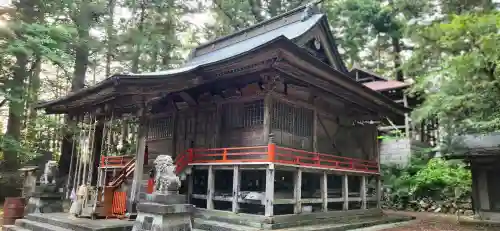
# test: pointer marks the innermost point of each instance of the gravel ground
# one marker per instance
(434, 222)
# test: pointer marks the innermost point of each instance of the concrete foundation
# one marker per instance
(335, 220)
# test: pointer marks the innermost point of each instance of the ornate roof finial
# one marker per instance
(310, 9)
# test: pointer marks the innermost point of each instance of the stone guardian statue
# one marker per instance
(166, 181)
(49, 173)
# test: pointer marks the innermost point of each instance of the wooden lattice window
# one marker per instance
(243, 115)
(294, 120)
(161, 128)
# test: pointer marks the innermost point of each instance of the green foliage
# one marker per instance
(433, 178)
(371, 33)
(441, 178)
(462, 83)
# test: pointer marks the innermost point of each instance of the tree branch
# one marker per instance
(298, 4)
(256, 7)
(234, 23)
(2, 103)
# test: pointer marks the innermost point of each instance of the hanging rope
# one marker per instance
(109, 147)
(91, 161)
(102, 179)
(87, 149)
(79, 156)
(92, 151)
(73, 145)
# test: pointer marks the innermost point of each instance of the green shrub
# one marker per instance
(430, 178)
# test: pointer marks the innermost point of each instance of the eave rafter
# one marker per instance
(298, 63)
(333, 90)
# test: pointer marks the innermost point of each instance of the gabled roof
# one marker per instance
(219, 51)
(292, 24)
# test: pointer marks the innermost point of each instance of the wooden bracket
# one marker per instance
(188, 98)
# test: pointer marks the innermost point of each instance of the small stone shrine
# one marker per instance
(165, 209)
(46, 197)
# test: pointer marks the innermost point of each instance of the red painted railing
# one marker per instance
(274, 154)
(115, 161)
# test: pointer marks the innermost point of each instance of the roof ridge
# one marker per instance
(260, 24)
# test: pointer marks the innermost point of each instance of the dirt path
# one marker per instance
(435, 222)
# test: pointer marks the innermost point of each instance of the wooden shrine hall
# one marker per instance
(266, 121)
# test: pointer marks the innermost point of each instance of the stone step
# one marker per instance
(64, 222)
(38, 226)
(13, 228)
(219, 226)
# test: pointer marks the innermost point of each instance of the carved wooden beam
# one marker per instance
(217, 98)
(188, 98)
(231, 93)
(271, 80)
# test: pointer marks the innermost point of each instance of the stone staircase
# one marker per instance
(202, 222)
(63, 222)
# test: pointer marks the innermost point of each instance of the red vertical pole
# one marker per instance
(271, 152)
(190, 155)
(224, 155)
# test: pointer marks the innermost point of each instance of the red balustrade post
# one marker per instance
(224, 154)
(190, 155)
(271, 152)
(318, 160)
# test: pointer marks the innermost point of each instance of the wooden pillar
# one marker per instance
(297, 191)
(407, 117)
(363, 192)
(315, 131)
(324, 191)
(345, 191)
(97, 145)
(269, 199)
(218, 127)
(190, 182)
(379, 192)
(210, 187)
(267, 118)
(236, 188)
(139, 162)
(175, 121)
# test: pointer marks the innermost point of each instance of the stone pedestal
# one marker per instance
(45, 199)
(164, 212)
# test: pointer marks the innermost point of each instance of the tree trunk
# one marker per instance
(83, 20)
(396, 46)
(16, 109)
(137, 53)
(110, 36)
(33, 88)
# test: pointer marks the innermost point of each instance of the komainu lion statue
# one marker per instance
(166, 181)
(49, 173)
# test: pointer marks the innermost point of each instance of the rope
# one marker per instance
(102, 179)
(92, 166)
(76, 182)
(71, 164)
(86, 162)
(92, 152)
